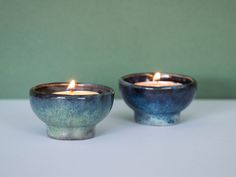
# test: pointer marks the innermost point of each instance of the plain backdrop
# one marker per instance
(99, 41)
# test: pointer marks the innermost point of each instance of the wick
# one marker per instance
(71, 91)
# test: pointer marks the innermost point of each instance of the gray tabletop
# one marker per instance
(202, 145)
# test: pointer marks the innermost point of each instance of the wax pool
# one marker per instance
(77, 92)
(158, 83)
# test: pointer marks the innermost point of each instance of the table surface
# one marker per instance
(202, 144)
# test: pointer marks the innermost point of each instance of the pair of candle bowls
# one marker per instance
(71, 116)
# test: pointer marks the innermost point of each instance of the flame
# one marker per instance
(157, 76)
(71, 85)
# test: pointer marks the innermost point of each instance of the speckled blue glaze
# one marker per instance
(71, 116)
(157, 105)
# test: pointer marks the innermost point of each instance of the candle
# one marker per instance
(71, 90)
(159, 100)
(67, 115)
(157, 83)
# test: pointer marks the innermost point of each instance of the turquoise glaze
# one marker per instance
(71, 116)
(157, 105)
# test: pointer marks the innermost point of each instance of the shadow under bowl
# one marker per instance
(71, 116)
(157, 105)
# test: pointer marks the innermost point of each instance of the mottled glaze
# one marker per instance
(71, 116)
(157, 105)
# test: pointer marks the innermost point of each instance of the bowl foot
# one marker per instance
(68, 133)
(157, 119)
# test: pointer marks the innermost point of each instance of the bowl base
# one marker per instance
(68, 133)
(157, 119)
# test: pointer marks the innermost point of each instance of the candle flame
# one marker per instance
(157, 76)
(71, 85)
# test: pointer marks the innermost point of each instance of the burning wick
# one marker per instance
(156, 77)
(71, 86)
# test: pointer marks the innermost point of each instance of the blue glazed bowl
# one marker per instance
(71, 116)
(157, 105)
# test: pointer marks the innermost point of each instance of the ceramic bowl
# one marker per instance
(157, 105)
(71, 116)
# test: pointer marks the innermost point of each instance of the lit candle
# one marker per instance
(71, 90)
(156, 82)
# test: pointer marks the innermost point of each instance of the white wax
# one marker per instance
(157, 83)
(76, 92)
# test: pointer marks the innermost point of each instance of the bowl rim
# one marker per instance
(125, 83)
(34, 90)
